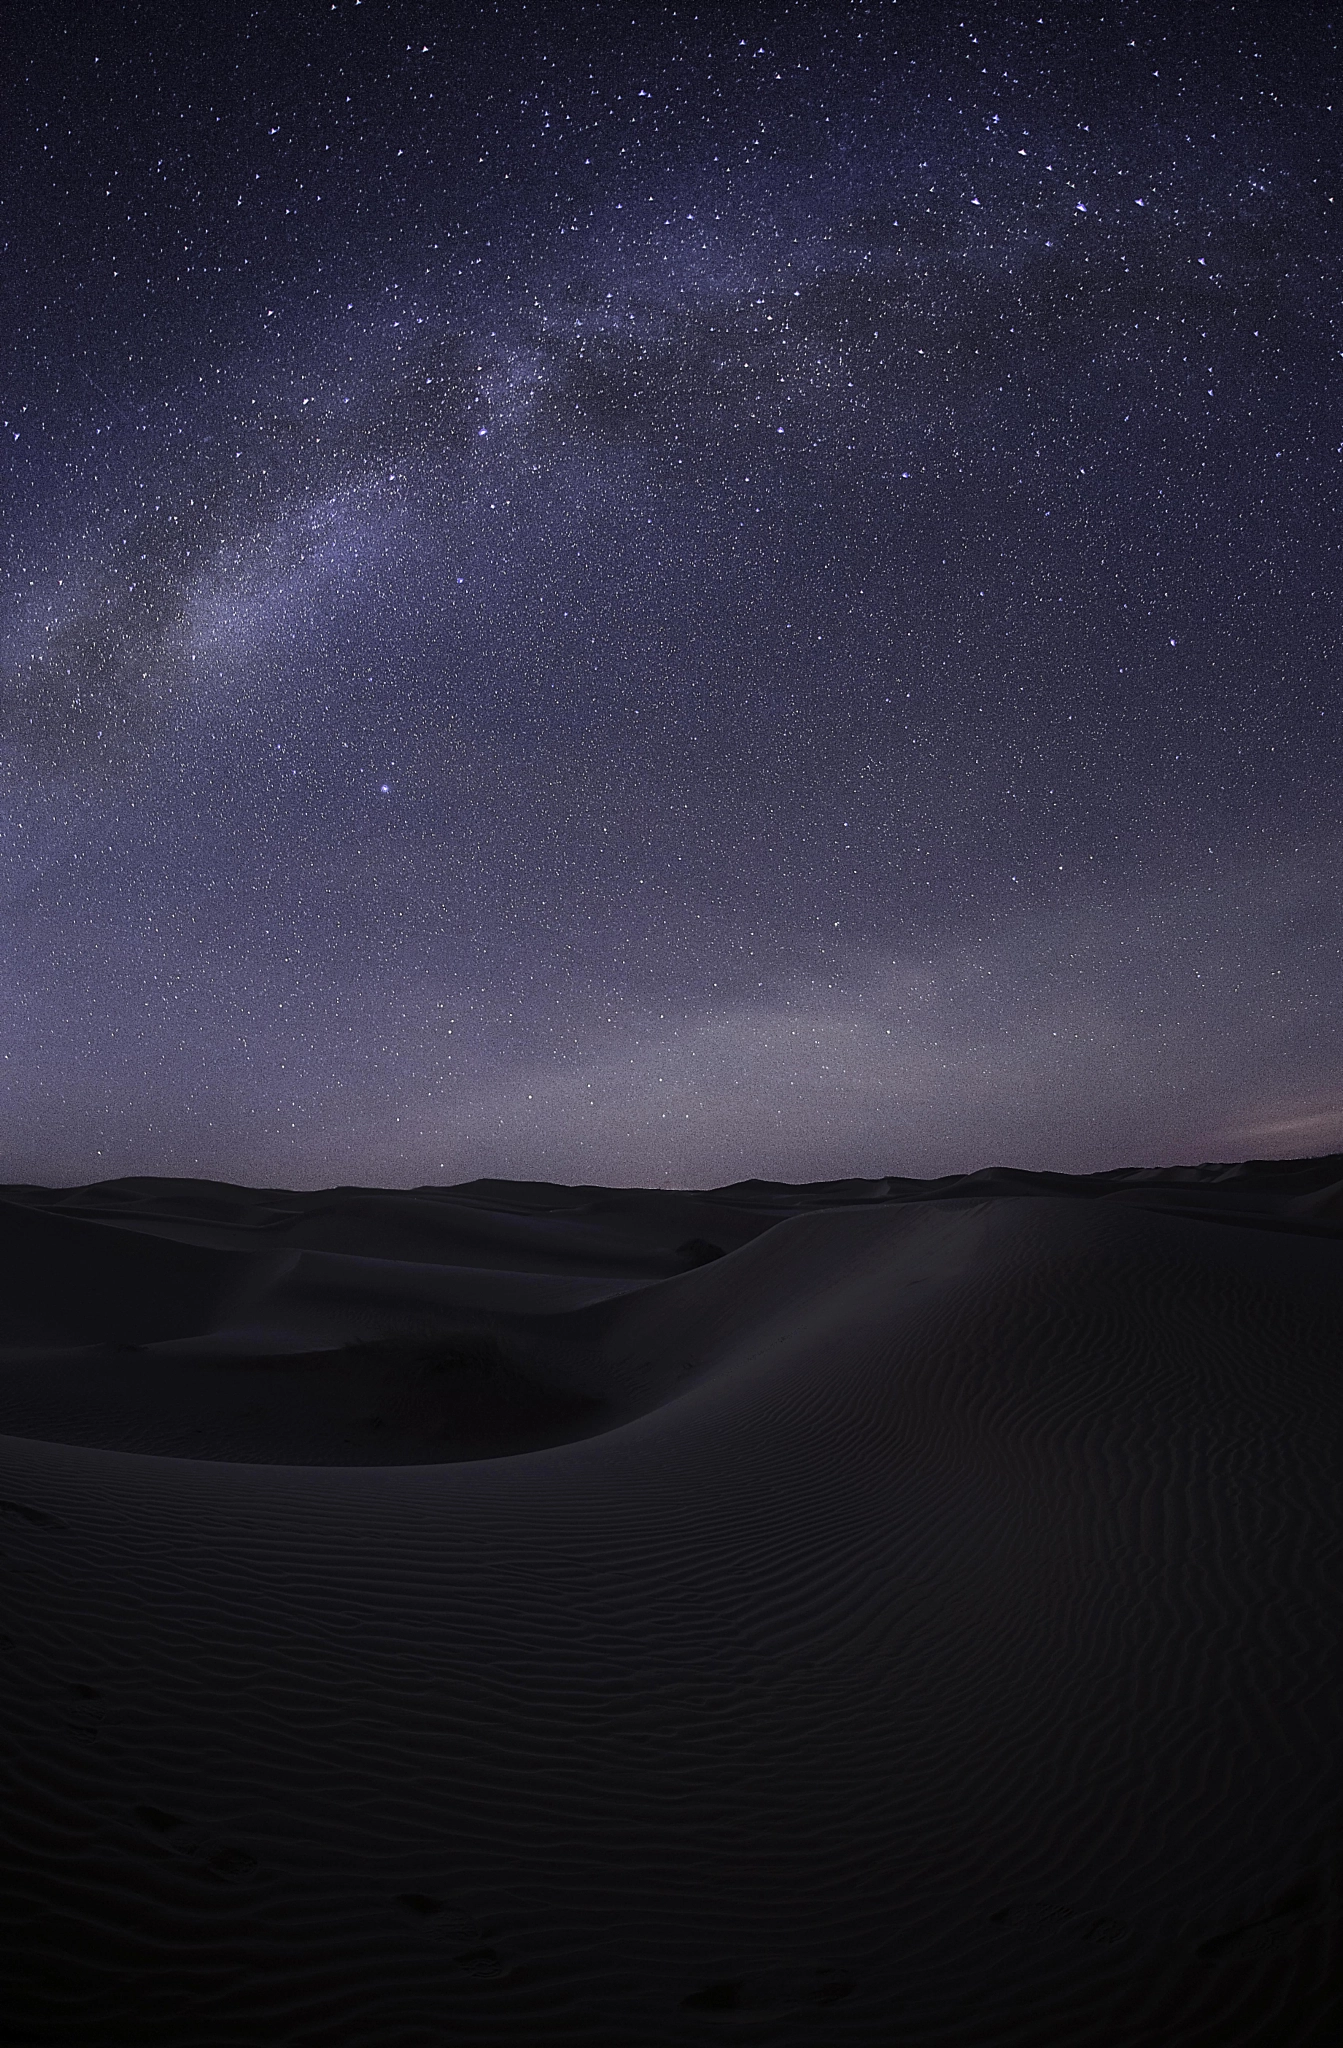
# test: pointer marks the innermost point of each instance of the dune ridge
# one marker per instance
(877, 1612)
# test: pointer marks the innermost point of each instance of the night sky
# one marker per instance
(609, 594)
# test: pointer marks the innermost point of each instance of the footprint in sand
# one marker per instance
(184, 1839)
(480, 1962)
(1038, 1916)
(1313, 1899)
(84, 1711)
(765, 1994)
(1308, 1903)
(470, 1954)
(36, 1518)
(432, 1915)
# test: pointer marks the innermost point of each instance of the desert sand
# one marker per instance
(878, 1612)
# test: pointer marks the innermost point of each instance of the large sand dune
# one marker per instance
(877, 1612)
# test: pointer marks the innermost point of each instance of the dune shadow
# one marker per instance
(414, 1395)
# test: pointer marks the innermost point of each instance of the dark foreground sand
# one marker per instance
(880, 1612)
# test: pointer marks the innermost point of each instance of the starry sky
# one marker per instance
(612, 594)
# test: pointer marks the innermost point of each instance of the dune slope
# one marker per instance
(880, 1612)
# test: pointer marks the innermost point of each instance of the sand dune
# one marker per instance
(875, 1612)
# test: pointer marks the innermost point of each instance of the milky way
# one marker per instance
(612, 596)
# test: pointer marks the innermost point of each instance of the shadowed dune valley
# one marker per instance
(875, 1612)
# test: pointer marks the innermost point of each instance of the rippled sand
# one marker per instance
(882, 1612)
